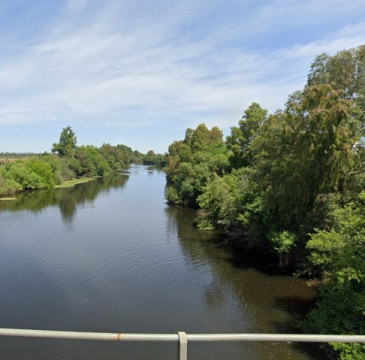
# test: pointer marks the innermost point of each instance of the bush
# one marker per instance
(172, 196)
(28, 174)
(8, 186)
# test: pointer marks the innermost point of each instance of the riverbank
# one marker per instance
(73, 182)
(50, 171)
(8, 194)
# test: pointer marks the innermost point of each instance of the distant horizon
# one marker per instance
(46, 151)
(139, 73)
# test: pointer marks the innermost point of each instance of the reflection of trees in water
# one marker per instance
(267, 303)
(230, 266)
(214, 295)
(205, 248)
(67, 199)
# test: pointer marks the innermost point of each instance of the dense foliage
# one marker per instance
(29, 174)
(340, 251)
(292, 183)
(157, 160)
(68, 161)
(192, 162)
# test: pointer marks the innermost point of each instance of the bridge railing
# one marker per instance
(181, 337)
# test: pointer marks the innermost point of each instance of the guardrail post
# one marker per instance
(182, 346)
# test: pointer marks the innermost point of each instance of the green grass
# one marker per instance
(71, 183)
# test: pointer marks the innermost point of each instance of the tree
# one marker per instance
(192, 161)
(240, 140)
(116, 157)
(340, 252)
(67, 145)
(345, 70)
(29, 174)
(304, 152)
(202, 137)
(91, 161)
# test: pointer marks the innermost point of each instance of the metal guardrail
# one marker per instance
(181, 337)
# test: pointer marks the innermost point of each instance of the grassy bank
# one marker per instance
(65, 184)
(71, 183)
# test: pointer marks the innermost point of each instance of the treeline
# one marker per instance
(66, 162)
(13, 155)
(153, 159)
(292, 183)
(6, 157)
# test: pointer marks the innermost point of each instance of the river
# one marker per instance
(112, 256)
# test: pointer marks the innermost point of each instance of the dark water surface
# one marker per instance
(111, 256)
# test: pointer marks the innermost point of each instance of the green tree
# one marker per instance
(192, 161)
(240, 140)
(151, 158)
(340, 252)
(345, 70)
(67, 143)
(202, 137)
(305, 151)
(29, 174)
(116, 157)
(92, 163)
(234, 202)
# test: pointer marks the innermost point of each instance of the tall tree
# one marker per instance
(305, 151)
(240, 140)
(345, 71)
(67, 143)
(192, 161)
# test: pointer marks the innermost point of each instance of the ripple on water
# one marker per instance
(122, 260)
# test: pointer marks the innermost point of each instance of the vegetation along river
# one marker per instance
(112, 256)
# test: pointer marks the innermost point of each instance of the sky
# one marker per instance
(139, 72)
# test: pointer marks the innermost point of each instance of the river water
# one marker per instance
(112, 256)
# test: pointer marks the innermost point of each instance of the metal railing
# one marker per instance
(181, 337)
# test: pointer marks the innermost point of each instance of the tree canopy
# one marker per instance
(68, 161)
(67, 143)
(292, 183)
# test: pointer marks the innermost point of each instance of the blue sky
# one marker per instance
(139, 72)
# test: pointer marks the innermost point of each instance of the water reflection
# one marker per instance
(130, 263)
(269, 304)
(67, 199)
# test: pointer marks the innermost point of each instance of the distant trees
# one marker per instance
(89, 160)
(117, 157)
(67, 162)
(151, 158)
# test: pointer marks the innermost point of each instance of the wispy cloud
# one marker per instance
(139, 64)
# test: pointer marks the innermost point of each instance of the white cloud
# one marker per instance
(350, 36)
(76, 5)
(128, 68)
